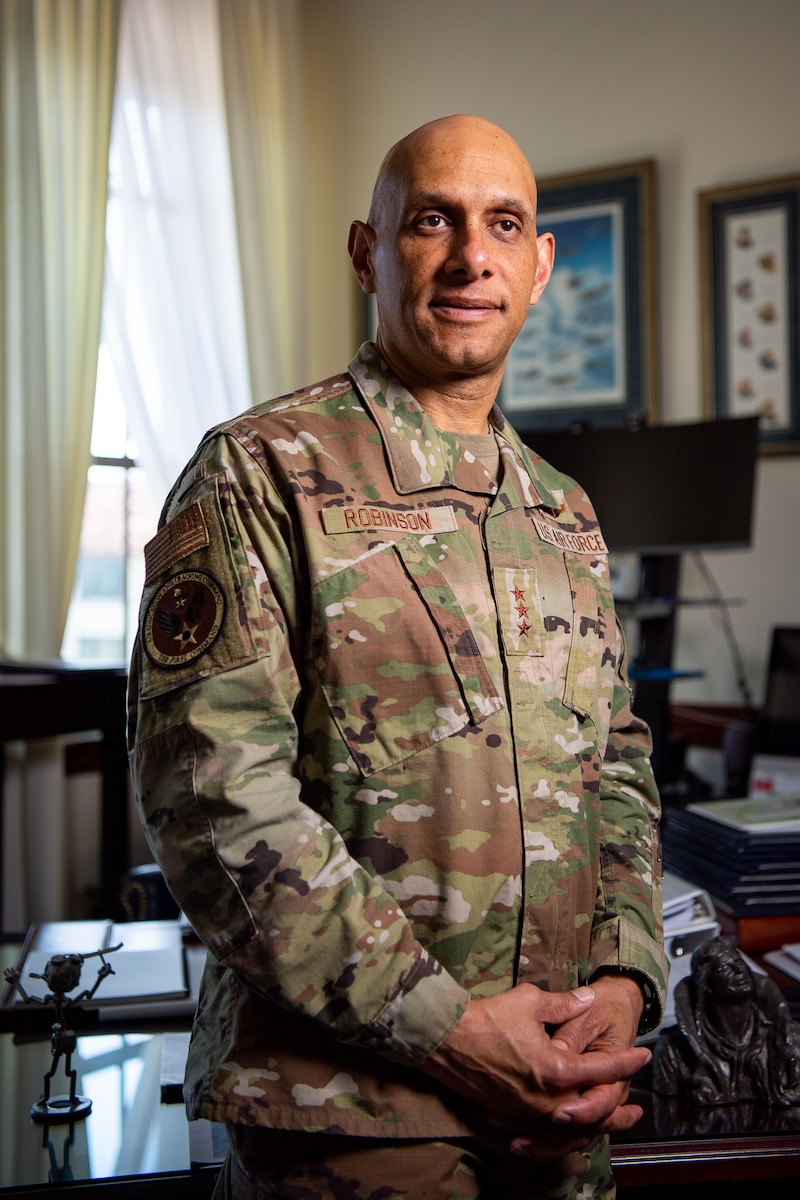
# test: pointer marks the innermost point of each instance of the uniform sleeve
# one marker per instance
(215, 690)
(627, 929)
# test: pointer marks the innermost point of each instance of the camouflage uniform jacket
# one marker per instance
(383, 749)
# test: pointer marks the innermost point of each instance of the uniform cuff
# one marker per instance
(419, 1016)
(618, 945)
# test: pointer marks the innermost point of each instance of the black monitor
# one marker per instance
(663, 489)
(780, 716)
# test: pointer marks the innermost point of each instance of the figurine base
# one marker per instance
(58, 1110)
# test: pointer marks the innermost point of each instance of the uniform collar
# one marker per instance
(422, 457)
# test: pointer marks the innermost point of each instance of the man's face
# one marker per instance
(453, 256)
(729, 976)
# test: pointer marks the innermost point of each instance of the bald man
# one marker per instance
(383, 747)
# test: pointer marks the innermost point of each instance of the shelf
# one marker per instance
(662, 673)
(661, 604)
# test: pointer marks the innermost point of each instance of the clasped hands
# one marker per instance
(553, 1069)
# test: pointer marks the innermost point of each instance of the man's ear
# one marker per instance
(546, 251)
(359, 247)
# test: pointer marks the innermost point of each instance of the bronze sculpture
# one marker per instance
(734, 1040)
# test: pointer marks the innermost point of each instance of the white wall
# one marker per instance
(708, 88)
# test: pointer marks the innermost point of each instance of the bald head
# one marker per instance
(439, 142)
(454, 261)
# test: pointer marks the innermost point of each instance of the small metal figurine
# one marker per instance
(62, 974)
(60, 1172)
(733, 1041)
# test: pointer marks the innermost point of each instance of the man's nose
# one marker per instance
(469, 251)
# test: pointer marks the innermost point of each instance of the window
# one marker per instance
(120, 515)
(173, 358)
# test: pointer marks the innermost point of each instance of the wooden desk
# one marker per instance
(131, 1144)
(49, 702)
(708, 1153)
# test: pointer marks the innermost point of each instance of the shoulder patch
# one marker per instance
(184, 534)
(183, 619)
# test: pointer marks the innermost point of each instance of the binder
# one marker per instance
(689, 920)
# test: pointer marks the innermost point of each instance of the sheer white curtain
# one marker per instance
(172, 311)
(56, 89)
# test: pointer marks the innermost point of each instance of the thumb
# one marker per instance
(557, 1007)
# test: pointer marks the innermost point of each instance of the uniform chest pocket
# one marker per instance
(397, 661)
(554, 614)
(591, 664)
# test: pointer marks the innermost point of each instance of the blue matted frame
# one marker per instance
(587, 354)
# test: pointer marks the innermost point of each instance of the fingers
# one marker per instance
(552, 1143)
(611, 1021)
(574, 1037)
(606, 1066)
(554, 1008)
(547, 1148)
(500, 1055)
(595, 1107)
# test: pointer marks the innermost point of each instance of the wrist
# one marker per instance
(625, 984)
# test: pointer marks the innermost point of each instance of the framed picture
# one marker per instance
(750, 263)
(587, 351)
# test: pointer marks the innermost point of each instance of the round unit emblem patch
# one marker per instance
(183, 619)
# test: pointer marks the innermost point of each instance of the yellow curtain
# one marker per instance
(57, 67)
(263, 81)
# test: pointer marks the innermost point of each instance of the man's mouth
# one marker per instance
(462, 306)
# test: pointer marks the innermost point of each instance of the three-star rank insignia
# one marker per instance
(522, 609)
(183, 619)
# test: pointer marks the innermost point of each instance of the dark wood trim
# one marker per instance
(52, 702)
(697, 1160)
(705, 724)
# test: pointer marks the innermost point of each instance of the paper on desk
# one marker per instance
(208, 1142)
(174, 1052)
(753, 814)
(787, 960)
(149, 967)
(169, 1006)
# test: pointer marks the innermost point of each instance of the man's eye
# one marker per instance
(432, 221)
(507, 225)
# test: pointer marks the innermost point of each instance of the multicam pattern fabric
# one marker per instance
(383, 748)
(304, 1166)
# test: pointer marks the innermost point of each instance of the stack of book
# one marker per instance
(786, 960)
(746, 854)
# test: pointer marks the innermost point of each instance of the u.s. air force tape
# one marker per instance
(566, 539)
(362, 518)
(183, 619)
